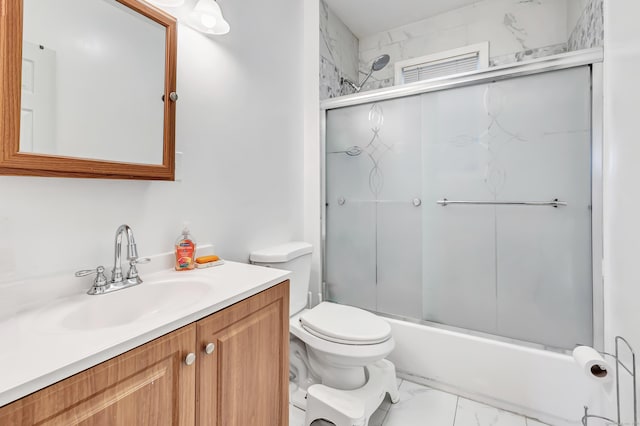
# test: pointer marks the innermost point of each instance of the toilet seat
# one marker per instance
(345, 325)
(353, 352)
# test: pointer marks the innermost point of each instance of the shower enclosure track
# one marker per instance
(535, 66)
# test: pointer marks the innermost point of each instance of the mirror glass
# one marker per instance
(93, 79)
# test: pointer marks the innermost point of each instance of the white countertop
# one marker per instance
(34, 353)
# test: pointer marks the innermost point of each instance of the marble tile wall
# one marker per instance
(574, 11)
(589, 29)
(525, 55)
(338, 54)
(512, 27)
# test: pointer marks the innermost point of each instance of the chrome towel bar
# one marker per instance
(552, 203)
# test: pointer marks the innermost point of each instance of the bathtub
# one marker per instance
(541, 384)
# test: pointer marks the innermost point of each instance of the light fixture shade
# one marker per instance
(168, 3)
(207, 18)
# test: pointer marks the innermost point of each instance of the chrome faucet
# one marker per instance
(132, 256)
(117, 282)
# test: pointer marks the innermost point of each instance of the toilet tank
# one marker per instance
(294, 257)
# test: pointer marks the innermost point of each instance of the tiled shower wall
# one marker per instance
(517, 30)
(338, 54)
(589, 29)
(510, 26)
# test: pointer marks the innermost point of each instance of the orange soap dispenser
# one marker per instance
(185, 251)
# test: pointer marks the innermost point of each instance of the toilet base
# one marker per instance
(353, 407)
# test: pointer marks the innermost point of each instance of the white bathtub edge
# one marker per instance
(539, 384)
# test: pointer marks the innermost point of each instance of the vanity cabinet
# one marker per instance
(149, 385)
(244, 381)
(239, 376)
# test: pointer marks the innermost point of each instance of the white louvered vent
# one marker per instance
(468, 58)
(440, 68)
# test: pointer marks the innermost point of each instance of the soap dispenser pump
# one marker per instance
(185, 250)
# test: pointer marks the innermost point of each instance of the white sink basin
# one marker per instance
(125, 306)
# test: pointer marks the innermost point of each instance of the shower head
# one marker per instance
(377, 64)
(380, 62)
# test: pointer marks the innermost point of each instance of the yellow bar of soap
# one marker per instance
(207, 259)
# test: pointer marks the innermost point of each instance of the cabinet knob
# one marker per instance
(190, 358)
(209, 348)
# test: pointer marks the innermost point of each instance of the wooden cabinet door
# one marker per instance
(150, 385)
(245, 380)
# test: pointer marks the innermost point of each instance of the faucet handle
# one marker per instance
(101, 278)
(133, 271)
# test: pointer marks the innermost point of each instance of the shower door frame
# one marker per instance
(590, 57)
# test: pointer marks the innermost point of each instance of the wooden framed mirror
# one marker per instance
(87, 89)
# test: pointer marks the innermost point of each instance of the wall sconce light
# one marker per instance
(207, 18)
(168, 3)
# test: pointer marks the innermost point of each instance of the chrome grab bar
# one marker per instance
(553, 203)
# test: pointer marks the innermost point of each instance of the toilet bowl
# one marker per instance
(334, 348)
(341, 341)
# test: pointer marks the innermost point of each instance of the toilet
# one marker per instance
(337, 367)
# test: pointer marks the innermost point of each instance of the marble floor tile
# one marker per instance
(471, 413)
(421, 406)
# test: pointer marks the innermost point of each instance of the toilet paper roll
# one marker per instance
(593, 364)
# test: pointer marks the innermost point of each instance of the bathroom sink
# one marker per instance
(125, 306)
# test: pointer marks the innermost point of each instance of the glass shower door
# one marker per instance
(397, 243)
(373, 241)
(520, 271)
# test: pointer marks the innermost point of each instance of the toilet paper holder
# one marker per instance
(632, 372)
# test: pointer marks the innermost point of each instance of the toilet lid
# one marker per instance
(345, 324)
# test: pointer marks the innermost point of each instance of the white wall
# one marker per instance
(240, 126)
(312, 155)
(621, 173)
